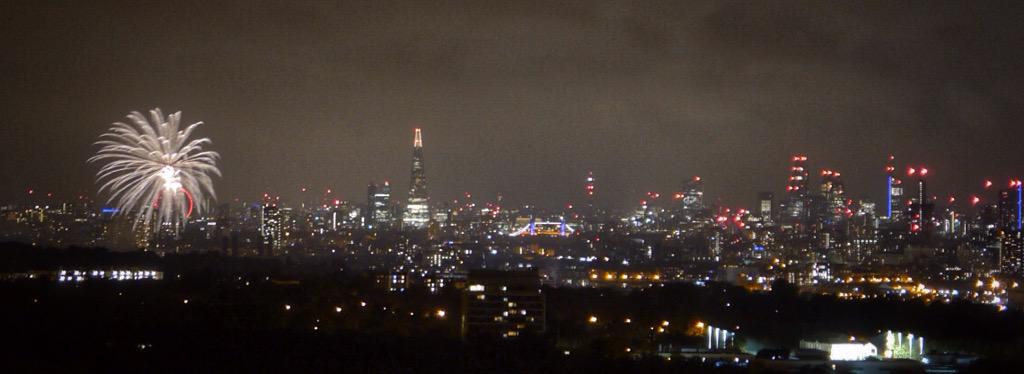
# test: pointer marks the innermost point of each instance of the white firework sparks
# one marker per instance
(153, 170)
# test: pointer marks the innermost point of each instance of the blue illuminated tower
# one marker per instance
(893, 193)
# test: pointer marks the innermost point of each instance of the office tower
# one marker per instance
(1011, 253)
(693, 196)
(588, 187)
(894, 193)
(378, 205)
(765, 204)
(502, 304)
(950, 221)
(1009, 207)
(271, 230)
(417, 211)
(833, 196)
(797, 195)
(921, 209)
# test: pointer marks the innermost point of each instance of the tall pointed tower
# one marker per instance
(417, 211)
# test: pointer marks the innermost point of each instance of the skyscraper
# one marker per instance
(417, 211)
(693, 196)
(797, 195)
(378, 205)
(1009, 207)
(589, 186)
(765, 206)
(894, 193)
(921, 209)
(271, 229)
(834, 196)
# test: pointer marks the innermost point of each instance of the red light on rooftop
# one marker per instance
(975, 200)
(988, 183)
(911, 171)
(924, 172)
(696, 178)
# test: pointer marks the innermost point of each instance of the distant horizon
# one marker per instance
(399, 192)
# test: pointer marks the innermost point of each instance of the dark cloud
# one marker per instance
(521, 98)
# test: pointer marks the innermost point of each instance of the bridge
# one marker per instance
(544, 228)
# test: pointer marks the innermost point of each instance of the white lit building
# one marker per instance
(843, 351)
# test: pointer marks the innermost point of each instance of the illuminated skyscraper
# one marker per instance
(589, 188)
(378, 205)
(271, 229)
(765, 206)
(417, 211)
(894, 193)
(797, 195)
(921, 209)
(1009, 206)
(693, 196)
(834, 196)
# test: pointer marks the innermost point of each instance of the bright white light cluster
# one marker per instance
(118, 275)
(153, 170)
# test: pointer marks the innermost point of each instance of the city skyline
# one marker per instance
(300, 194)
(658, 186)
(645, 97)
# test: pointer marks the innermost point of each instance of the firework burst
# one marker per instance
(152, 170)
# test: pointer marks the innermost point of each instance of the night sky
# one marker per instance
(521, 99)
